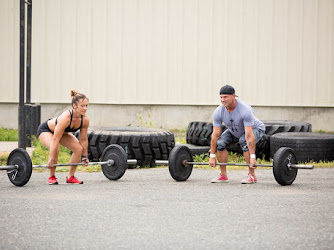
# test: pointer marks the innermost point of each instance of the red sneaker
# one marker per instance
(52, 180)
(73, 180)
(250, 179)
(220, 178)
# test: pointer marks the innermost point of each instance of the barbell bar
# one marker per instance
(285, 167)
(299, 166)
(14, 167)
(113, 163)
(109, 163)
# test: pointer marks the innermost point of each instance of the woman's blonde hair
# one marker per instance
(76, 97)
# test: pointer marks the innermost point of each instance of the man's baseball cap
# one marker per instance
(227, 90)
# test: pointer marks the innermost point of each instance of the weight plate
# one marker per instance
(117, 154)
(21, 158)
(176, 158)
(282, 173)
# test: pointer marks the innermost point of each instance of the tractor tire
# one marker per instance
(143, 144)
(307, 146)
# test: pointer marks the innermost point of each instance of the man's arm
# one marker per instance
(250, 140)
(214, 138)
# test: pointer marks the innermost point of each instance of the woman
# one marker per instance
(58, 131)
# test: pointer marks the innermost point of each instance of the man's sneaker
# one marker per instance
(220, 178)
(250, 179)
(52, 180)
(73, 180)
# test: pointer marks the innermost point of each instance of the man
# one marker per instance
(242, 126)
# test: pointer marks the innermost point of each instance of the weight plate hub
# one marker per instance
(177, 169)
(282, 173)
(21, 158)
(118, 155)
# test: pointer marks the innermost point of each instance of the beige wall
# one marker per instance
(277, 53)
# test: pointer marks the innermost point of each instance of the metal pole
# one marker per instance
(109, 163)
(28, 76)
(21, 125)
(165, 162)
(227, 164)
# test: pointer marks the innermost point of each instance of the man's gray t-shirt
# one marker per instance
(236, 121)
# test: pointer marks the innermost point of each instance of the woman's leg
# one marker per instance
(71, 142)
(46, 139)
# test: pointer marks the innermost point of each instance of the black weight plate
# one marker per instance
(178, 171)
(117, 154)
(21, 158)
(282, 173)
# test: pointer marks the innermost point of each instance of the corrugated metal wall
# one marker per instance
(275, 52)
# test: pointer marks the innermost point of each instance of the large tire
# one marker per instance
(143, 144)
(274, 127)
(197, 150)
(307, 146)
(199, 133)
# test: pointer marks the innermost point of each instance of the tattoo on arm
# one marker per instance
(250, 144)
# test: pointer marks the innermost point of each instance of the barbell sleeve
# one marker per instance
(132, 162)
(9, 167)
(298, 166)
(161, 162)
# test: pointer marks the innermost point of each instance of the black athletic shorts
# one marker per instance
(43, 128)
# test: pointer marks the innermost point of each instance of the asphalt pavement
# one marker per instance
(147, 209)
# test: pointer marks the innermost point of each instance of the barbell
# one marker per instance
(113, 163)
(180, 164)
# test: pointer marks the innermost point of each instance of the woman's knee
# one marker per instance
(76, 148)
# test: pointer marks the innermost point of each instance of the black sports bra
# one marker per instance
(69, 129)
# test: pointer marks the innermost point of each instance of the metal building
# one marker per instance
(165, 60)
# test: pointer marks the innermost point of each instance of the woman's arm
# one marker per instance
(83, 138)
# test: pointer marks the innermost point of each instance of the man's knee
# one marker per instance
(224, 140)
(257, 136)
(243, 144)
(221, 147)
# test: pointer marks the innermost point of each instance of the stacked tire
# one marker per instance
(274, 127)
(143, 144)
(199, 133)
(307, 146)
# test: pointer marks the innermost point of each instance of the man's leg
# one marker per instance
(222, 158)
(222, 155)
(242, 141)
